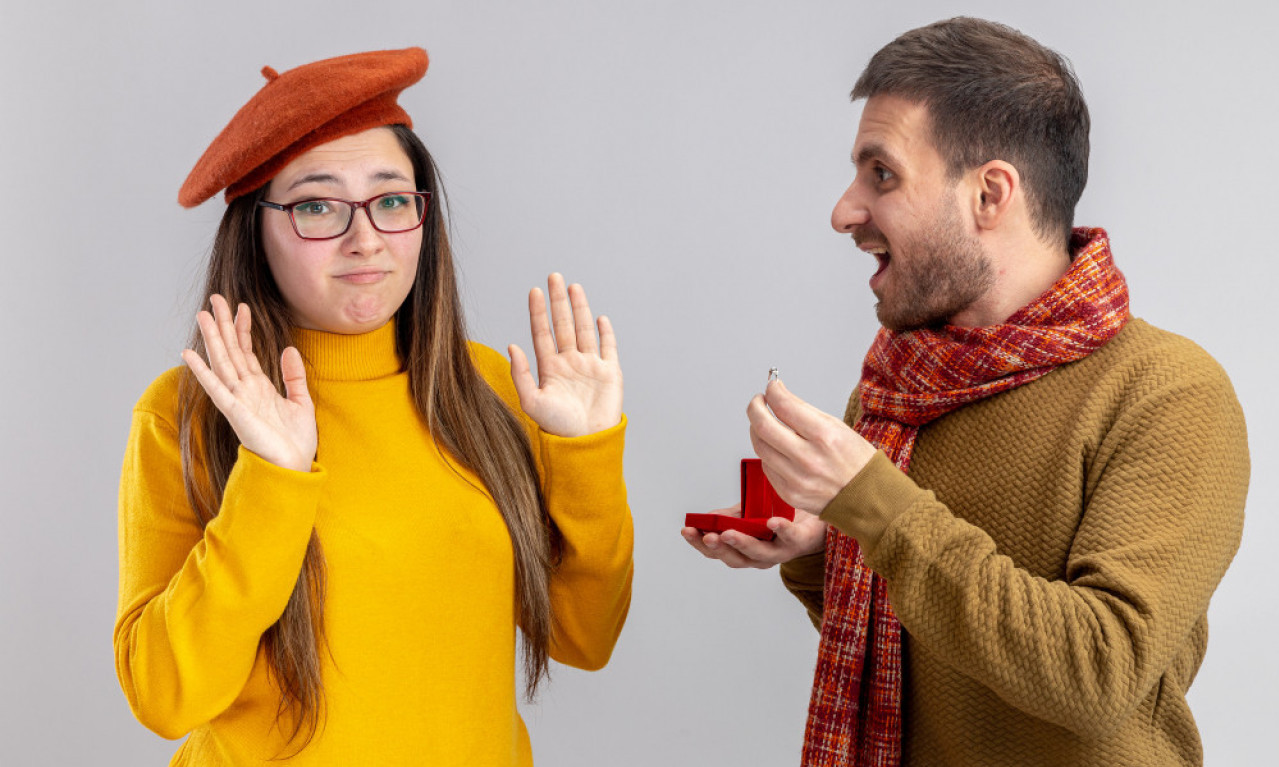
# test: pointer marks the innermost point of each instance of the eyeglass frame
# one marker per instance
(355, 206)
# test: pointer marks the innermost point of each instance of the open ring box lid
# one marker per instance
(759, 502)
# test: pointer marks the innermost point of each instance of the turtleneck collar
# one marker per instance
(338, 357)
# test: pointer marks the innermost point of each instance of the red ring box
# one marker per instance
(759, 502)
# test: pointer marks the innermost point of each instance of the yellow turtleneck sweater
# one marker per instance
(419, 613)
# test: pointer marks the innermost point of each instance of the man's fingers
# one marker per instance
(712, 546)
(761, 554)
(800, 416)
(767, 433)
(732, 511)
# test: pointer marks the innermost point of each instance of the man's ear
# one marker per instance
(998, 186)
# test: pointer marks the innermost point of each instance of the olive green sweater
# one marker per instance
(1051, 556)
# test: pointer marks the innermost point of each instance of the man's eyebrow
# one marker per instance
(329, 178)
(871, 152)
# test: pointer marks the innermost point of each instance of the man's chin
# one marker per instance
(904, 322)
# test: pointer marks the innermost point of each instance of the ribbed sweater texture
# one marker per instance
(420, 609)
(1051, 556)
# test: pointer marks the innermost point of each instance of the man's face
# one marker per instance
(903, 209)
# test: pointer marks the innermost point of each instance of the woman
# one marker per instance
(334, 575)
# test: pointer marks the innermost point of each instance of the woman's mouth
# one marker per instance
(363, 277)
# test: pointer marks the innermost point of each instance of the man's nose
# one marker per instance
(850, 211)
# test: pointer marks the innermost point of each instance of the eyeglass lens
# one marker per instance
(394, 212)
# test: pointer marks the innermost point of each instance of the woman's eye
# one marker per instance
(392, 201)
(313, 208)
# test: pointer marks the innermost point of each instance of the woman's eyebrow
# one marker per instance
(388, 175)
(313, 178)
(329, 178)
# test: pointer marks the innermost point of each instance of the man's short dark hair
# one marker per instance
(993, 93)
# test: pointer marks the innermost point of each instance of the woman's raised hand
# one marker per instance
(580, 386)
(279, 429)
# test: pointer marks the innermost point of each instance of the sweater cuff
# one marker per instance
(806, 573)
(577, 468)
(875, 497)
(265, 505)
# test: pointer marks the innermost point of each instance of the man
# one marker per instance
(1010, 553)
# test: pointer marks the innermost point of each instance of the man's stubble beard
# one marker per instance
(945, 272)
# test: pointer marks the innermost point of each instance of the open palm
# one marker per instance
(579, 386)
(280, 429)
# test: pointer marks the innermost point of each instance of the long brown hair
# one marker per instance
(464, 415)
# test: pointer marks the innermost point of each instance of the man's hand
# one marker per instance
(805, 535)
(808, 455)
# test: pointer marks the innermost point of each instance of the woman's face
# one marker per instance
(353, 283)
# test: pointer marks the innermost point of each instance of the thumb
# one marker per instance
(521, 376)
(802, 417)
(294, 374)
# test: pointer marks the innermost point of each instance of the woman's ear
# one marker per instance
(998, 185)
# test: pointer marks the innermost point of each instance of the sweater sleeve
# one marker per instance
(804, 577)
(194, 603)
(1162, 520)
(586, 497)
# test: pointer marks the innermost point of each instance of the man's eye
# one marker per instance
(882, 174)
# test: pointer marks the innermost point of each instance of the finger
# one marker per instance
(768, 429)
(788, 534)
(294, 374)
(700, 541)
(750, 551)
(244, 335)
(711, 546)
(561, 313)
(778, 466)
(522, 376)
(608, 341)
(540, 327)
(732, 511)
(583, 322)
(215, 349)
(805, 419)
(219, 394)
(806, 534)
(226, 327)
(694, 538)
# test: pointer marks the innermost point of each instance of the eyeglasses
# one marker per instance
(325, 218)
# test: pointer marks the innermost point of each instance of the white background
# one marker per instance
(680, 160)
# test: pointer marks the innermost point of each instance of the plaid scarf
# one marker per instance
(909, 379)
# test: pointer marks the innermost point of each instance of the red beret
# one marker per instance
(301, 109)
